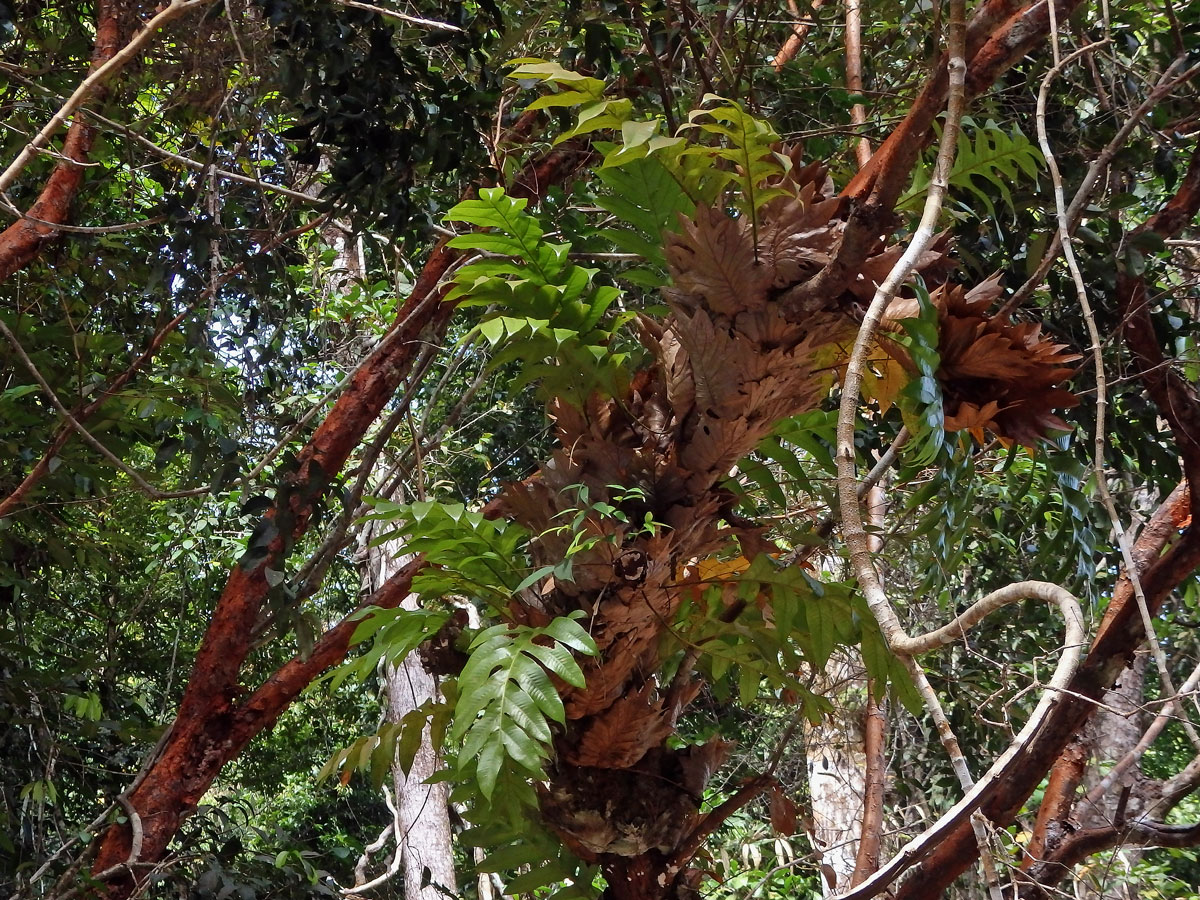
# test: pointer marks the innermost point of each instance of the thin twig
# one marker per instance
(800, 31)
(173, 10)
(187, 162)
(1097, 349)
(88, 438)
(81, 229)
(853, 531)
(404, 17)
(1167, 83)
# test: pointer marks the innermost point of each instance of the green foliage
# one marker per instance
(652, 178)
(748, 144)
(106, 594)
(785, 620)
(366, 95)
(647, 200)
(921, 397)
(549, 313)
(471, 555)
(575, 89)
(986, 167)
(397, 632)
(533, 857)
(394, 744)
(506, 700)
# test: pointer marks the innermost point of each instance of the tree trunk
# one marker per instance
(422, 822)
(836, 769)
(838, 763)
(1115, 729)
(423, 837)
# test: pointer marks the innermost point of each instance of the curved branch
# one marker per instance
(1012, 759)
(115, 62)
(20, 242)
(1119, 633)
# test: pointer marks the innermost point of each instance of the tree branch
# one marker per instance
(110, 67)
(20, 242)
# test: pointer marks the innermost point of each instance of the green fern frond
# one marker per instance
(986, 165)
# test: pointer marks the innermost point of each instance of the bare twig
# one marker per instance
(1101, 380)
(1167, 83)
(403, 17)
(172, 11)
(187, 162)
(81, 229)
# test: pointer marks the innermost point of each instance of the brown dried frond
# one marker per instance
(996, 375)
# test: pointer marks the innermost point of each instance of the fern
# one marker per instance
(547, 310)
(506, 699)
(647, 200)
(395, 743)
(987, 166)
(748, 143)
(397, 632)
(471, 555)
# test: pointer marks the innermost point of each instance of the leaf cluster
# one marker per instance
(543, 309)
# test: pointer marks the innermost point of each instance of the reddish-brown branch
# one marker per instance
(799, 32)
(1059, 798)
(870, 838)
(198, 747)
(212, 725)
(999, 34)
(1077, 846)
(1119, 635)
(714, 819)
(21, 241)
(266, 704)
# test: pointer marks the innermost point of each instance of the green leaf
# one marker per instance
(487, 770)
(568, 631)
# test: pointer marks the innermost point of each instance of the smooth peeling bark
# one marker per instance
(21, 242)
(1120, 634)
(1059, 798)
(197, 748)
(210, 727)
